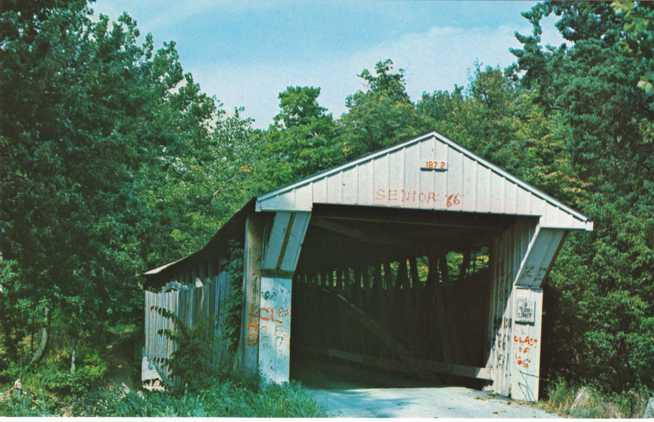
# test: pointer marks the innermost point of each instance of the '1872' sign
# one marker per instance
(434, 165)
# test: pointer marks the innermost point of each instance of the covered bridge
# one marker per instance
(422, 258)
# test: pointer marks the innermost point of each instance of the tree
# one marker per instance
(380, 116)
(601, 288)
(300, 141)
(99, 137)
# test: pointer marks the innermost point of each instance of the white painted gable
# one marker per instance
(401, 177)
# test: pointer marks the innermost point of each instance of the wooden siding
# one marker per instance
(508, 251)
(526, 345)
(396, 178)
(191, 305)
(272, 250)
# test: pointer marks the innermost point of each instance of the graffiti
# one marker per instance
(253, 333)
(253, 325)
(280, 335)
(283, 313)
(527, 340)
(523, 345)
(414, 196)
(268, 314)
(452, 200)
(402, 195)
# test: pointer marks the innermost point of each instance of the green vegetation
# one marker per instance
(113, 161)
(197, 388)
(191, 363)
(223, 398)
(593, 402)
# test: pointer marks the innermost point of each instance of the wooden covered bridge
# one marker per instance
(422, 258)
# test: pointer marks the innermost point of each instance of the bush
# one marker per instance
(55, 375)
(191, 365)
(52, 385)
(25, 404)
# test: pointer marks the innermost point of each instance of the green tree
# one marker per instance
(300, 141)
(502, 122)
(380, 116)
(107, 151)
(602, 295)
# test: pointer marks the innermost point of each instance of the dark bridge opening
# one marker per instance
(402, 292)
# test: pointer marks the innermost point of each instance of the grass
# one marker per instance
(98, 390)
(225, 398)
(594, 403)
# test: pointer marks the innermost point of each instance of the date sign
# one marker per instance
(434, 165)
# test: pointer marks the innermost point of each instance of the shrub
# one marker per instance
(26, 404)
(191, 365)
(55, 376)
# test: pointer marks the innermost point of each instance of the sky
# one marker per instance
(246, 52)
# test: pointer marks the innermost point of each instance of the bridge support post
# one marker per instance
(521, 258)
(277, 266)
(253, 253)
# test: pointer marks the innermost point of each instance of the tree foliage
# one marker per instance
(109, 156)
(113, 160)
(602, 286)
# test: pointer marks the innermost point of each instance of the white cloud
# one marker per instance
(436, 59)
(154, 15)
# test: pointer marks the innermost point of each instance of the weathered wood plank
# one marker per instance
(282, 251)
(539, 257)
(275, 330)
(253, 255)
(295, 239)
(526, 344)
(277, 240)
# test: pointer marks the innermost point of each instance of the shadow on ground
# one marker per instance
(349, 391)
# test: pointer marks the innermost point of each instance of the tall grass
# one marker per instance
(225, 398)
(594, 402)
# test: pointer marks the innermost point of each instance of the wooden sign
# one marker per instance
(525, 311)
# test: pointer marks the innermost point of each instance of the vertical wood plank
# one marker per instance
(253, 256)
(526, 339)
(275, 329)
(282, 251)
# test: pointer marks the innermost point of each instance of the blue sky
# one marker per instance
(246, 52)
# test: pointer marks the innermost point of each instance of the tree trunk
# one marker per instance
(43, 341)
(73, 356)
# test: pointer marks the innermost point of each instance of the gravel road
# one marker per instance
(352, 392)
